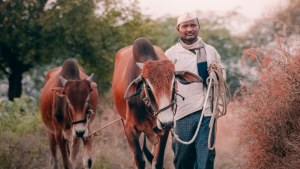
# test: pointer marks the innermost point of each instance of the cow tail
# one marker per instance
(148, 154)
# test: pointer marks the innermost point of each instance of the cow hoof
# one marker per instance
(88, 164)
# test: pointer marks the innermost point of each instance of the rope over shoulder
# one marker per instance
(220, 97)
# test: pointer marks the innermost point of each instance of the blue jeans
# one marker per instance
(195, 155)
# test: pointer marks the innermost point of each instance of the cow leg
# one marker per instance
(133, 140)
(159, 151)
(74, 148)
(87, 159)
(52, 144)
(62, 143)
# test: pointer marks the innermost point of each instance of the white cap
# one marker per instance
(187, 16)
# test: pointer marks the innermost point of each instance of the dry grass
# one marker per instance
(112, 145)
(271, 115)
(24, 142)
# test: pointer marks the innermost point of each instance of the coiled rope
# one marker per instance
(220, 91)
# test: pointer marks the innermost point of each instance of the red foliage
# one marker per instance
(271, 117)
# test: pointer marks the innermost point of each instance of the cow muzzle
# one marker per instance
(165, 126)
(80, 130)
(165, 120)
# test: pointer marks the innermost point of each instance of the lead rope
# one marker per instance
(220, 101)
(216, 79)
(199, 124)
(95, 133)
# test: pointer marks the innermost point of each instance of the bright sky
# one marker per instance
(251, 9)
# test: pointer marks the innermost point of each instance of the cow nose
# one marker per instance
(79, 133)
(167, 126)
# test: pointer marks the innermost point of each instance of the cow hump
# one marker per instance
(70, 70)
(143, 50)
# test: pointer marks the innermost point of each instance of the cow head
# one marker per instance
(77, 95)
(158, 84)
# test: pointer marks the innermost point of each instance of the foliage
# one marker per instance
(19, 116)
(163, 32)
(284, 22)
(271, 114)
(20, 38)
(89, 31)
(20, 126)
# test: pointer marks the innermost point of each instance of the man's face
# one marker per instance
(188, 31)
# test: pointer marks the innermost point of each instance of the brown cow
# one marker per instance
(67, 103)
(144, 92)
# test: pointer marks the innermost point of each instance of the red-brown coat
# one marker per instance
(68, 101)
(144, 92)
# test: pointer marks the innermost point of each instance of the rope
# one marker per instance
(199, 124)
(95, 133)
(220, 89)
(219, 98)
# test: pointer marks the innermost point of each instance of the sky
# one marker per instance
(251, 9)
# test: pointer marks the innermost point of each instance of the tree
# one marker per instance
(19, 31)
(35, 33)
(283, 23)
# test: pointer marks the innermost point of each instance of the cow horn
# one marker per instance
(62, 80)
(140, 65)
(90, 78)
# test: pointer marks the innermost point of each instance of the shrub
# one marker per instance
(20, 126)
(19, 116)
(271, 122)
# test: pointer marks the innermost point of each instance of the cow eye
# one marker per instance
(148, 88)
(150, 92)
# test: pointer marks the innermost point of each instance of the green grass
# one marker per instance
(20, 116)
(21, 127)
(101, 163)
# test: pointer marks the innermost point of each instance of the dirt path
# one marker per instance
(227, 143)
(111, 145)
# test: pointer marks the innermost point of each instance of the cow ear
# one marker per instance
(185, 77)
(93, 86)
(134, 88)
(58, 91)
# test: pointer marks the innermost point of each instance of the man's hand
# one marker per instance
(212, 67)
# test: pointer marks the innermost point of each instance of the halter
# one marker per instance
(148, 102)
(86, 120)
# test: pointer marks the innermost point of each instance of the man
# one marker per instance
(192, 54)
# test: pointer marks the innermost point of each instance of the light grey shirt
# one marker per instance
(194, 93)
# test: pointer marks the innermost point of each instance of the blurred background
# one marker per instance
(257, 40)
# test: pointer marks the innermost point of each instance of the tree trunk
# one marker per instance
(15, 85)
